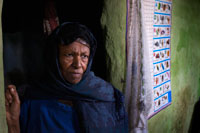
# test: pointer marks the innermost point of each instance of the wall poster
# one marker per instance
(161, 55)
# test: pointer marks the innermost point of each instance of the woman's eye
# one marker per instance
(69, 55)
(85, 56)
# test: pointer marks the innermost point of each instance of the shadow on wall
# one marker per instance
(194, 125)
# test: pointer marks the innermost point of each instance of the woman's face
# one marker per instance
(73, 59)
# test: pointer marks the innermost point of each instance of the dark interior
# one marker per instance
(23, 36)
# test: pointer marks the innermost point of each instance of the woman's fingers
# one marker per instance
(11, 95)
(8, 96)
(12, 104)
(6, 102)
(14, 94)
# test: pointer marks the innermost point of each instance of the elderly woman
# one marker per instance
(69, 98)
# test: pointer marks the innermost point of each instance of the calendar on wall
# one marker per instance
(161, 55)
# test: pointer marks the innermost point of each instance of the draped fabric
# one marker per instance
(51, 20)
(99, 105)
(135, 104)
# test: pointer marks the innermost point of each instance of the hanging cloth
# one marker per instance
(135, 104)
(50, 21)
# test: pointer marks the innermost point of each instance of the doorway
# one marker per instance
(23, 35)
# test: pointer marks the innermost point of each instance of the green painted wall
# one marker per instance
(113, 22)
(3, 127)
(185, 69)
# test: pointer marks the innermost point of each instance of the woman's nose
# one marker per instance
(77, 62)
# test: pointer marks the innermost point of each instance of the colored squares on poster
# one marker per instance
(161, 78)
(161, 55)
(160, 90)
(161, 31)
(161, 102)
(162, 19)
(163, 7)
(161, 67)
(161, 43)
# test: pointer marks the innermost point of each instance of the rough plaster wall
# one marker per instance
(185, 72)
(3, 127)
(113, 22)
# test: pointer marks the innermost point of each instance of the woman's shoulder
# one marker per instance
(104, 82)
(98, 81)
(104, 86)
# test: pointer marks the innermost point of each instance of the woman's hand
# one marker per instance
(12, 103)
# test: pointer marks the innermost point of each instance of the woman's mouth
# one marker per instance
(76, 75)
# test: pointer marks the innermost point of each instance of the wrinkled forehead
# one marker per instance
(78, 40)
(74, 47)
(81, 41)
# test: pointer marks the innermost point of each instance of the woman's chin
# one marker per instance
(74, 80)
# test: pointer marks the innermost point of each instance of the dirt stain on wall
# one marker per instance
(181, 108)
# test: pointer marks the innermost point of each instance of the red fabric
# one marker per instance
(51, 20)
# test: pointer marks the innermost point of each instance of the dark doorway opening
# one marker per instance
(23, 38)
